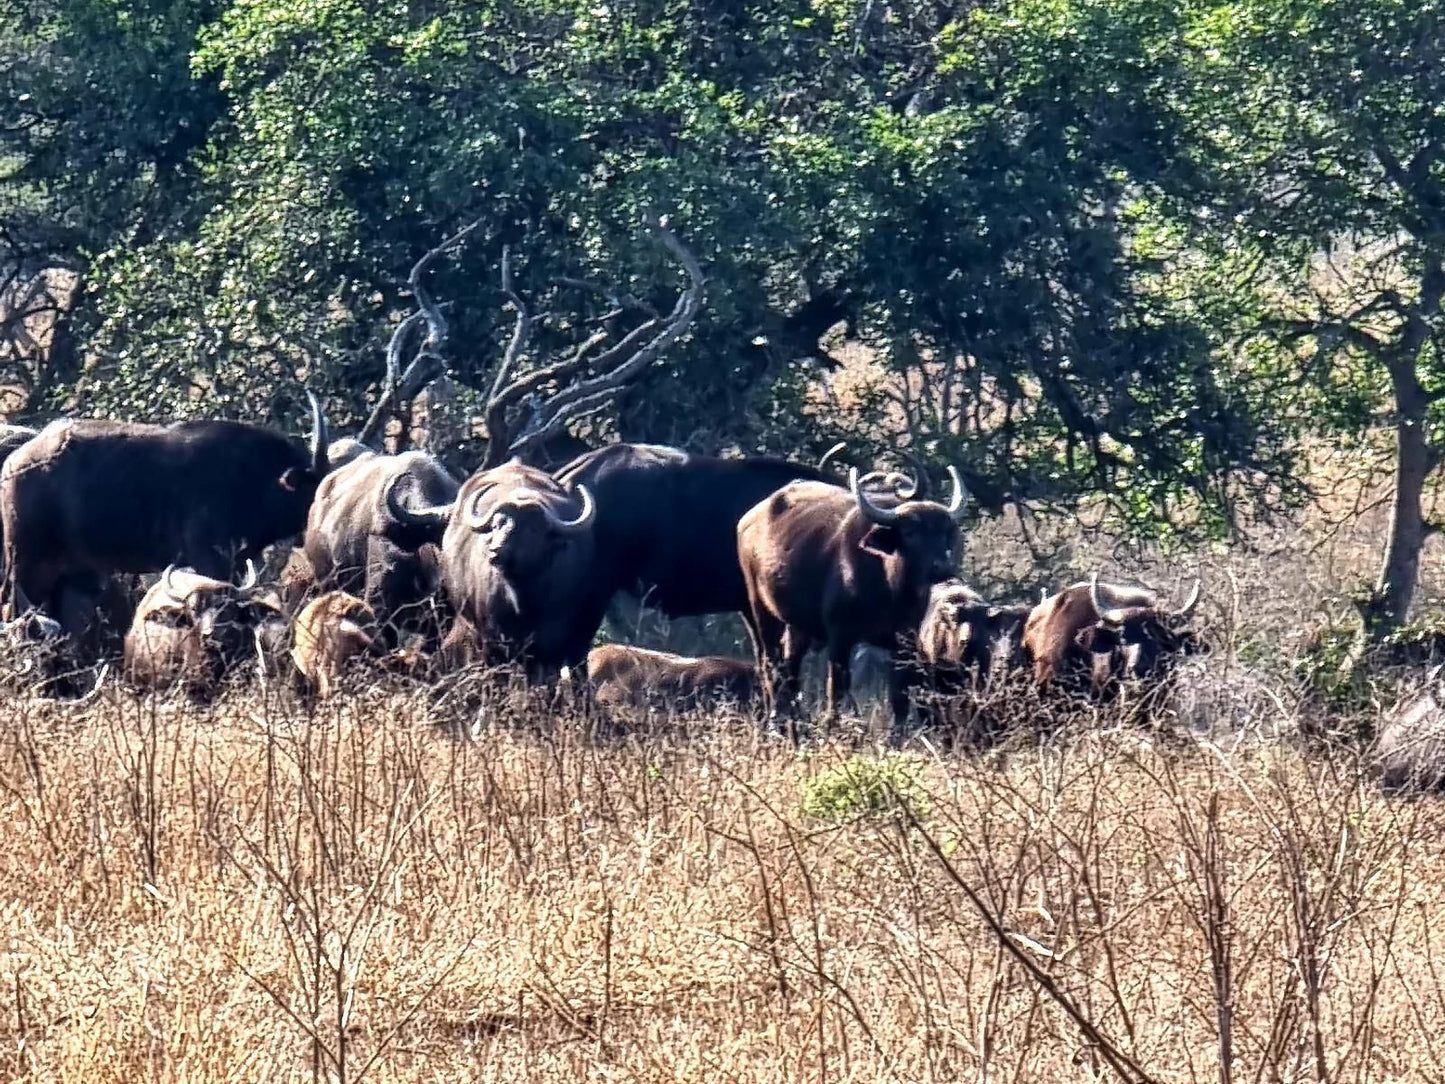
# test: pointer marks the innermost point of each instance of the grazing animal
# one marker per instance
(517, 566)
(12, 437)
(638, 677)
(191, 630)
(356, 544)
(1098, 634)
(963, 641)
(828, 566)
(327, 634)
(100, 497)
(666, 525)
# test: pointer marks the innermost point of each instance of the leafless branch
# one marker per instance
(602, 375)
(429, 362)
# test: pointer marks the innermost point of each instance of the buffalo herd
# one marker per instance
(401, 566)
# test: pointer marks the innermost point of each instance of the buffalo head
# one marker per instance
(523, 531)
(1132, 627)
(921, 537)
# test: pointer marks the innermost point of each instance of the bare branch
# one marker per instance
(429, 362)
(602, 376)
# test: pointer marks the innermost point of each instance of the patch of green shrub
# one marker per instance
(866, 786)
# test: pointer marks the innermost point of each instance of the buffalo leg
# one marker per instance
(840, 677)
(902, 675)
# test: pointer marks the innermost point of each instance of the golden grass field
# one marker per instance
(396, 889)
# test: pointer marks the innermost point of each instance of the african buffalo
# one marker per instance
(666, 524)
(331, 632)
(1093, 635)
(354, 542)
(636, 676)
(516, 565)
(829, 566)
(100, 497)
(12, 437)
(191, 630)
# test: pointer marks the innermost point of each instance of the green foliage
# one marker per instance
(1072, 234)
(862, 786)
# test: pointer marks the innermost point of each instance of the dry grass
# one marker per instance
(398, 888)
(248, 893)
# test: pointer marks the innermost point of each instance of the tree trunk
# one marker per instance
(1414, 460)
(1400, 570)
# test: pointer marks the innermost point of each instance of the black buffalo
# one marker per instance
(355, 544)
(101, 497)
(666, 524)
(516, 567)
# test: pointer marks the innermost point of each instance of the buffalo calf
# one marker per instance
(192, 630)
(636, 676)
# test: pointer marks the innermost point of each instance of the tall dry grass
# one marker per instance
(246, 892)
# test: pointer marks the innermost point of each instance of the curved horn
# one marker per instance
(473, 516)
(898, 483)
(252, 577)
(841, 446)
(433, 520)
(1191, 602)
(960, 494)
(169, 587)
(868, 508)
(920, 472)
(902, 486)
(320, 439)
(584, 518)
(1107, 615)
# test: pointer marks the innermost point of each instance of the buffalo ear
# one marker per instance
(290, 479)
(880, 541)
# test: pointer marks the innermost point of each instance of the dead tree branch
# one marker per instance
(583, 382)
(429, 362)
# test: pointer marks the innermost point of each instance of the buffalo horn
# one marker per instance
(584, 517)
(868, 508)
(168, 586)
(1191, 602)
(252, 576)
(841, 446)
(960, 494)
(896, 482)
(320, 439)
(432, 519)
(476, 520)
(1107, 615)
(920, 472)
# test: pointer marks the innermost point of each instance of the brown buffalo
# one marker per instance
(90, 497)
(517, 566)
(329, 634)
(192, 630)
(964, 642)
(635, 676)
(355, 543)
(831, 567)
(1093, 635)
